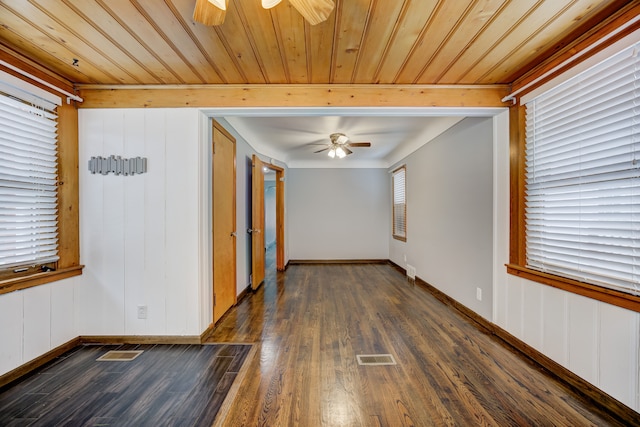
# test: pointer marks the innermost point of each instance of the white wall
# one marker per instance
(141, 237)
(338, 214)
(34, 321)
(449, 213)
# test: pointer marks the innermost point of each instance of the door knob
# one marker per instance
(233, 234)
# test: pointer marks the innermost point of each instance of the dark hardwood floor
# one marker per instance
(179, 385)
(310, 322)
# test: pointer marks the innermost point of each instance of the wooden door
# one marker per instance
(224, 221)
(257, 223)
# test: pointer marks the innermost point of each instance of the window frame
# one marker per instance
(394, 233)
(517, 245)
(608, 32)
(68, 198)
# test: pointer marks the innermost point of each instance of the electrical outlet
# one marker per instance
(479, 294)
(142, 312)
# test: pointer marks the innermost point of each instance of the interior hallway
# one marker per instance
(311, 321)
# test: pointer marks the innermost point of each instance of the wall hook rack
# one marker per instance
(117, 165)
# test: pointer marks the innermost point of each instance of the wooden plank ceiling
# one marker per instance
(156, 42)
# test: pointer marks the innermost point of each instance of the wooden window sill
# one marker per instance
(610, 296)
(24, 282)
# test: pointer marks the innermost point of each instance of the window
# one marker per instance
(28, 185)
(38, 179)
(399, 204)
(582, 179)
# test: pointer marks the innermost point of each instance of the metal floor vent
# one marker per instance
(119, 356)
(375, 359)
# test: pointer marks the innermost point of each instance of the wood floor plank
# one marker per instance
(310, 322)
(165, 385)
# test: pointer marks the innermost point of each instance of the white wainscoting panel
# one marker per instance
(154, 283)
(37, 321)
(554, 323)
(181, 226)
(532, 297)
(11, 331)
(515, 316)
(113, 226)
(583, 331)
(62, 319)
(597, 341)
(134, 230)
(619, 361)
(89, 293)
(34, 321)
(140, 233)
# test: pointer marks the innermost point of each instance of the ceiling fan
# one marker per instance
(212, 12)
(339, 145)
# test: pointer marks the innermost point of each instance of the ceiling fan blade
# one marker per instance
(320, 151)
(209, 14)
(359, 144)
(314, 11)
(346, 150)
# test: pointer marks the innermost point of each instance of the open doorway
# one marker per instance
(270, 221)
(259, 238)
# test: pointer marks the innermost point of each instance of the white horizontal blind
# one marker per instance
(583, 176)
(28, 178)
(399, 203)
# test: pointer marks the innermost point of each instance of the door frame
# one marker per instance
(214, 124)
(279, 214)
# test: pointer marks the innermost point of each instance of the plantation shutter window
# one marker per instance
(582, 201)
(28, 183)
(399, 204)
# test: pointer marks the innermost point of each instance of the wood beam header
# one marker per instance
(203, 96)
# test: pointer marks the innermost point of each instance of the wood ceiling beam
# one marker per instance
(204, 96)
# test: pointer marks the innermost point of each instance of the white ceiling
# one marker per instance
(292, 135)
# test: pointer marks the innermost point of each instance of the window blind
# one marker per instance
(582, 201)
(28, 179)
(399, 203)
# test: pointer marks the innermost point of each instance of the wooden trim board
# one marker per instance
(141, 339)
(272, 95)
(336, 261)
(207, 332)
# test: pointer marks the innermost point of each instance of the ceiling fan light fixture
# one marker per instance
(332, 153)
(220, 4)
(340, 152)
(268, 4)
